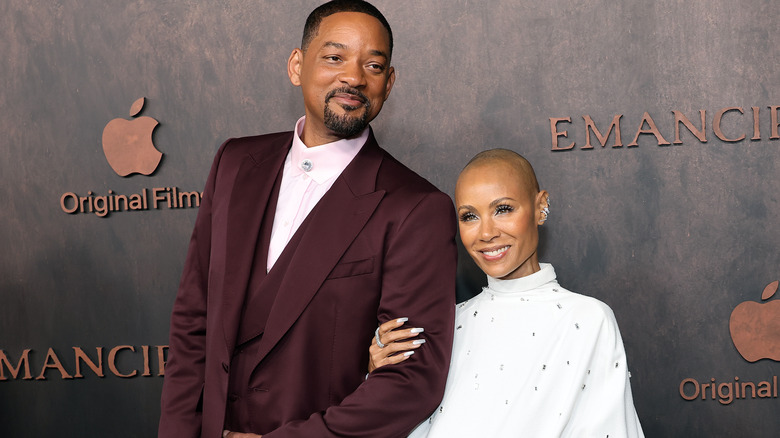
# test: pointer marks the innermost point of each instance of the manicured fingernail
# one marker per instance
(418, 341)
(417, 330)
(408, 353)
(225, 433)
(401, 320)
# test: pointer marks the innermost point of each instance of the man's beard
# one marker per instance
(346, 126)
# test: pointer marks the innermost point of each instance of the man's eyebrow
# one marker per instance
(334, 44)
(343, 46)
(380, 53)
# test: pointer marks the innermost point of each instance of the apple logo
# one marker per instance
(755, 327)
(128, 143)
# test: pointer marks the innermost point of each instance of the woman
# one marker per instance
(530, 358)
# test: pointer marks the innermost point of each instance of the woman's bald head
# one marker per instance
(518, 166)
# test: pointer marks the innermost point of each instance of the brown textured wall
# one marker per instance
(672, 237)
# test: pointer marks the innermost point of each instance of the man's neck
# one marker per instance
(314, 139)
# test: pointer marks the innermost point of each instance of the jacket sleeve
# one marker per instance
(418, 282)
(182, 393)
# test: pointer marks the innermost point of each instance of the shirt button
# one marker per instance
(306, 165)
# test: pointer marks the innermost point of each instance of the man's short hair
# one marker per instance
(333, 7)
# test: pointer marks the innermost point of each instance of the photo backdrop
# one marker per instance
(669, 219)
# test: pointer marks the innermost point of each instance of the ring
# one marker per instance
(376, 336)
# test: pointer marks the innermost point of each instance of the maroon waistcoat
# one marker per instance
(262, 291)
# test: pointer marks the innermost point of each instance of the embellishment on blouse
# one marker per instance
(583, 387)
(559, 305)
(555, 290)
(492, 297)
(536, 388)
(475, 313)
(576, 324)
(441, 408)
(506, 402)
(533, 334)
(544, 367)
(492, 319)
(567, 362)
(459, 327)
(306, 165)
(616, 364)
(468, 352)
(476, 386)
(476, 375)
(588, 371)
(501, 367)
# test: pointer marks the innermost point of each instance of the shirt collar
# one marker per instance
(545, 275)
(324, 161)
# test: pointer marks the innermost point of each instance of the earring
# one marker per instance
(546, 213)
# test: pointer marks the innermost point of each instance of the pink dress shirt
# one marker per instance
(307, 175)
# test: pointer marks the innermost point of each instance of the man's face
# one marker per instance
(345, 76)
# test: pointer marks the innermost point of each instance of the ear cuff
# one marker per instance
(546, 211)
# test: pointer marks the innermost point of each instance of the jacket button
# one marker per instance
(233, 397)
(225, 367)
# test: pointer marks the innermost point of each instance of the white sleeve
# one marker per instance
(421, 431)
(605, 407)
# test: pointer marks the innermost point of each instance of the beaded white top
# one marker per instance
(532, 359)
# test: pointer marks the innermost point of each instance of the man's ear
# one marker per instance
(390, 82)
(294, 67)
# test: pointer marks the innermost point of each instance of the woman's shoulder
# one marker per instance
(469, 303)
(588, 306)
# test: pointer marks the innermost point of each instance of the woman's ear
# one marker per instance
(542, 206)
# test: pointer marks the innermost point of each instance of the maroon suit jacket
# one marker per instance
(379, 245)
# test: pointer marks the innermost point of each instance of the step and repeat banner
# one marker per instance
(653, 125)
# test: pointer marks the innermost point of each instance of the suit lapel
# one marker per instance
(333, 225)
(248, 201)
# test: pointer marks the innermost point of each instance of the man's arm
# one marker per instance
(419, 283)
(182, 393)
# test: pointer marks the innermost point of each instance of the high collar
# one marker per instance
(545, 275)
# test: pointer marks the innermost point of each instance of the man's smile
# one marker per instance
(348, 98)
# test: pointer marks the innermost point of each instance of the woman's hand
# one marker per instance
(398, 345)
(229, 434)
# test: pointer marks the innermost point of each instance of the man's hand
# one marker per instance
(229, 434)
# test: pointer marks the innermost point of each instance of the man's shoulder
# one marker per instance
(257, 148)
(395, 176)
(258, 142)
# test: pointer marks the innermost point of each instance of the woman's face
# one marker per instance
(497, 217)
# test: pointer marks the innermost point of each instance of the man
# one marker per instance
(304, 242)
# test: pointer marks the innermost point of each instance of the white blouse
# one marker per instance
(532, 359)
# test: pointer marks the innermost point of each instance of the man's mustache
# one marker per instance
(347, 90)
